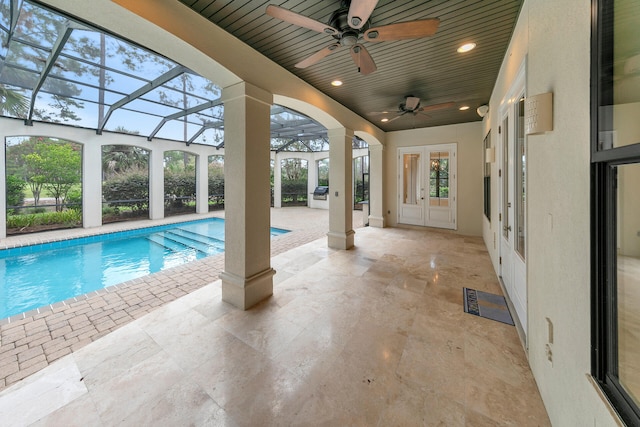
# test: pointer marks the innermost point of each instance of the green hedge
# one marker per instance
(69, 217)
(129, 189)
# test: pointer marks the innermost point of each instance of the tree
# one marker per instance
(56, 166)
(293, 170)
(13, 103)
(120, 158)
(174, 161)
(34, 170)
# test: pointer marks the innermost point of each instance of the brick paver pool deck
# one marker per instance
(31, 341)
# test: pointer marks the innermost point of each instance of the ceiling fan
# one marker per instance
(349, 26)
(412, 105)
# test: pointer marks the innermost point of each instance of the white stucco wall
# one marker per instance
(469, 139)
(555, 38)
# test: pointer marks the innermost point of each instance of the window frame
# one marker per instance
(604, 163)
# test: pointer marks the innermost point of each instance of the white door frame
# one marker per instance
(415, 206)
(513, 268)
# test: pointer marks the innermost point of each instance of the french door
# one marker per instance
(513, 224)
(427, 185)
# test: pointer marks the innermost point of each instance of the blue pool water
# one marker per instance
(38, 275)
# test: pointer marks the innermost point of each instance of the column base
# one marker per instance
(244, 293)
(376, 221)
(338, 240)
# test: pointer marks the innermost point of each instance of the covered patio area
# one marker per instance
(375, 335)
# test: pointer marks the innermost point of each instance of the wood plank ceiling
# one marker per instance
(428, 68)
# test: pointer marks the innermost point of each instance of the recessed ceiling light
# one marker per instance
(464, 107)
(336, 83)
(466, 47)
(384, 120)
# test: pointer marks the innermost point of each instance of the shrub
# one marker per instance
(128, 189)
(179, 185)
(69, 217)
(15, 190)
(74, 197)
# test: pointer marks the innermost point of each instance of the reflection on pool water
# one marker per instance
(38, 275)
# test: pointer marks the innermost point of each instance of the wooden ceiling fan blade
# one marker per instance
(299, 20)
(319, 55)
(403, 30)
(360, 11)
(434, 107)
(397, 117)
(363, 59)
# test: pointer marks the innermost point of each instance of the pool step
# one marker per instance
(202, 238)
(192, 242)
(177, 243)
(167, 244)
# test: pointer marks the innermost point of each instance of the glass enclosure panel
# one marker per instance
(628, 279)
(293, 183)
(411, 179)
(439, 178)
(505, 180)
(43, 184)
(620, 99)
(521, 173)
(125, 183)
(179, 183)
(323, 172)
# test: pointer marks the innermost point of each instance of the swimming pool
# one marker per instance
(38, 275)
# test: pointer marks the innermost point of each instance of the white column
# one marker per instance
(376, 174)
(156, 184)
(341, 234)
(248, 277)
(312, 178)
(3, 190)
(277, 181)
(202, 183)
(91, 185)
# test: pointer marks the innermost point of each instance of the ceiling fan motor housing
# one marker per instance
(347, 36)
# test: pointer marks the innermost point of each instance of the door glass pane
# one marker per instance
(487, 176)
(520, 171)
(505, 180)
(411, 179)
(628, 279)
(439, 178)
(620, 96)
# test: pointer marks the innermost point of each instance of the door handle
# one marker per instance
(506, 228)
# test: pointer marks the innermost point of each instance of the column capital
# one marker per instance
(340, 132)
(244, 89)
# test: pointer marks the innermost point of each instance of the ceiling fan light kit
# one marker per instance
(349, 26)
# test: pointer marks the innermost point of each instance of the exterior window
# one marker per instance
(615, 158)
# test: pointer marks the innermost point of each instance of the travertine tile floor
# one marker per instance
(371, 336)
